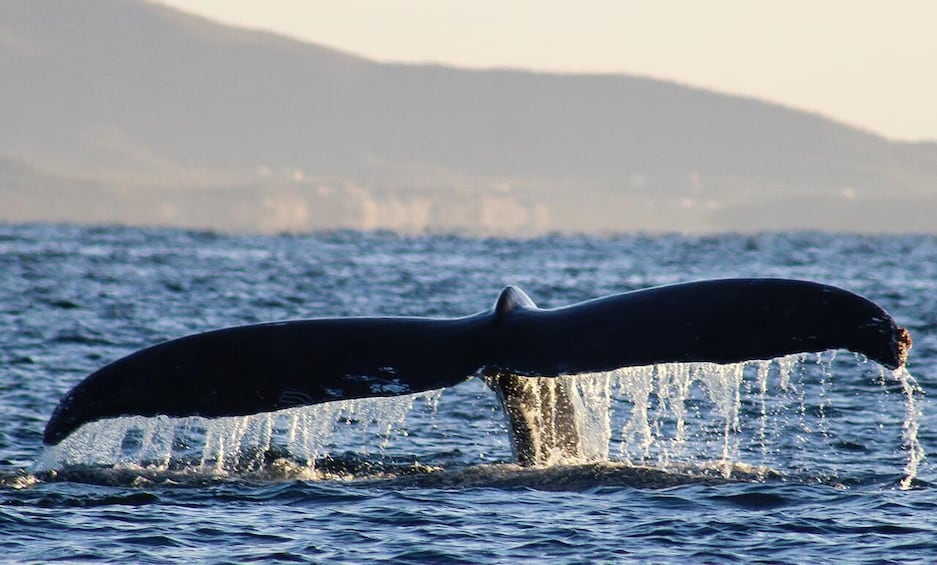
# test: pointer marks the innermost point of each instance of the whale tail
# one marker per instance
(267, 367)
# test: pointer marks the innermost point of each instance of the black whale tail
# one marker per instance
(267, 367)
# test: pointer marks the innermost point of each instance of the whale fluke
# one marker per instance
(266, 367)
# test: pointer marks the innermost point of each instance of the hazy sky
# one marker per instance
(871, 64)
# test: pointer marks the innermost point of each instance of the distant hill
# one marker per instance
(165, 118)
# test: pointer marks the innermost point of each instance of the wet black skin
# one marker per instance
(267, 367)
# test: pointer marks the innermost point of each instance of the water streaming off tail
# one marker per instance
(763, 416)
(911, 425)
(236, 445)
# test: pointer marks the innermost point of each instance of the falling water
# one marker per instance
(691, 412)
(232, 445)
(754, 416)
(912, 420)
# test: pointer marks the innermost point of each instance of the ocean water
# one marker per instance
(812, 458)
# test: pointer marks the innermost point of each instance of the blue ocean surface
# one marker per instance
(807, 459)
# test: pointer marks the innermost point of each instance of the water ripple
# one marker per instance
(441, 488)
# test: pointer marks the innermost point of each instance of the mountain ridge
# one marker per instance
(110, 90)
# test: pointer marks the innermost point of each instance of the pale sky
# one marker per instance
(870, 64)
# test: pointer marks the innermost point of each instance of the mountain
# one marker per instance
(168, 118)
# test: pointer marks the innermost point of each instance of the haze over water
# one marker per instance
(187, 123)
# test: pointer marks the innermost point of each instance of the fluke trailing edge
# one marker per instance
(267, 367)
